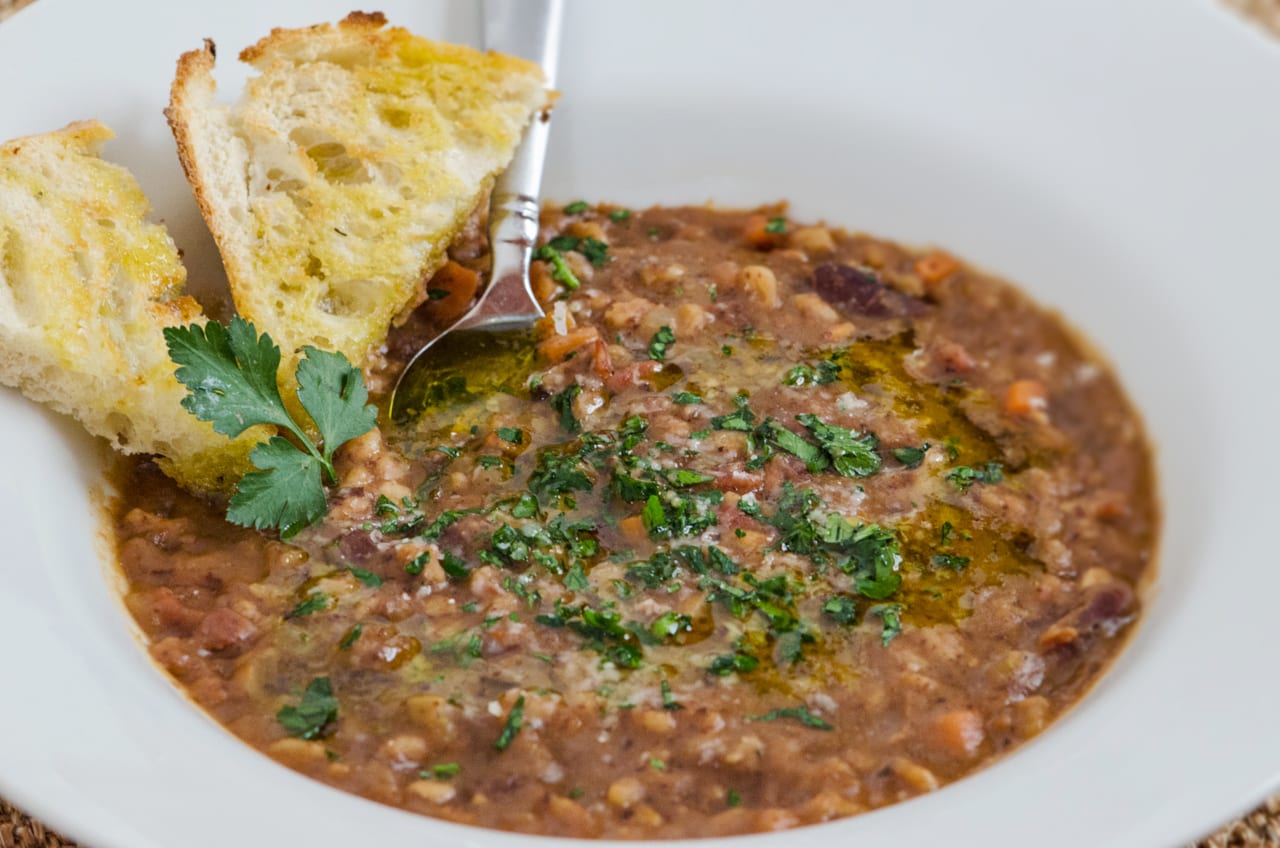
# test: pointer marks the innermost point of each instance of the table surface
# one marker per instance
(1258, 829)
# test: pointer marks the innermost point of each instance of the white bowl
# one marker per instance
(1118, 159)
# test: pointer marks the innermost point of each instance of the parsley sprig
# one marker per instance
(230, 374)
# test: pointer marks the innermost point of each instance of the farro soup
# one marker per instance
(769, 524)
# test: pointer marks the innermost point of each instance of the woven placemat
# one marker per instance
(1259, 829)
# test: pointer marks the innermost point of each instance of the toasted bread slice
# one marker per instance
(86, 289)
(336, 183)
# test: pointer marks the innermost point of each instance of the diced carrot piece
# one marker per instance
(556, 348)
(451, 291)
(632, 529)
(959, 732)
(600, 359)
(756, 233)
(1026, 398)
(936, 266)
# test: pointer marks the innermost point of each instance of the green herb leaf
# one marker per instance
(350, 639)
(563, 404)
(733, 799)
(560, 270)
(741, 419)
(577, 207)
(955, 563)
(964, 476)
(332, 392)
(438, 294)
(824, 373)
(576, 578)
(686, 398)
(515, 719)
(368, 578)
(777, 226)
(230, 374)
(800, 714)
(620, 214)
(596, 251)
(852, 454)
(736, 662)
(681, 477)
(287, 492)
(813, 456)
(514, 435)
(564, 243)
(453, 566)
(841, 609)
(911, 457)
(668, 700)
(317, 709)
(315, 602)
(443, 771)
(890, 616)
(669, 624)
(658, 345)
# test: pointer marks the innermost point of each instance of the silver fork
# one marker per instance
(503, 317)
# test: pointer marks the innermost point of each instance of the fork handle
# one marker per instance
(529, 29)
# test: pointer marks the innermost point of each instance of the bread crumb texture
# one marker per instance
(86, 287)
(338, 180)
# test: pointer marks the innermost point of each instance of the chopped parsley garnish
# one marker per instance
(911, 457)
(867, 552)
(951, 561)
(558, 473)
(964, 476)
(736, 662)
(514, 435)
(776, 226)
(350, 639)
(890, 616)
(515, 719)
(576, 578)
(368, 578)
(563, 404)
(686, 398)
(438, 294)
(315, 602)
(596, 251)
(668, 700)
(669, 624)
(560, 270)
(814, 457)
(577, 207)
(658, 345)
(620, 215)
(657, 764)
(317, 709)
(230, 374)
(733, 798)
(442, 771)
(823, 373)
(841, 609)
(800, 714)
(453, 566)
(676, 515)
(488, 462)
(944, 534)
(741, 419)
(852, 454)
